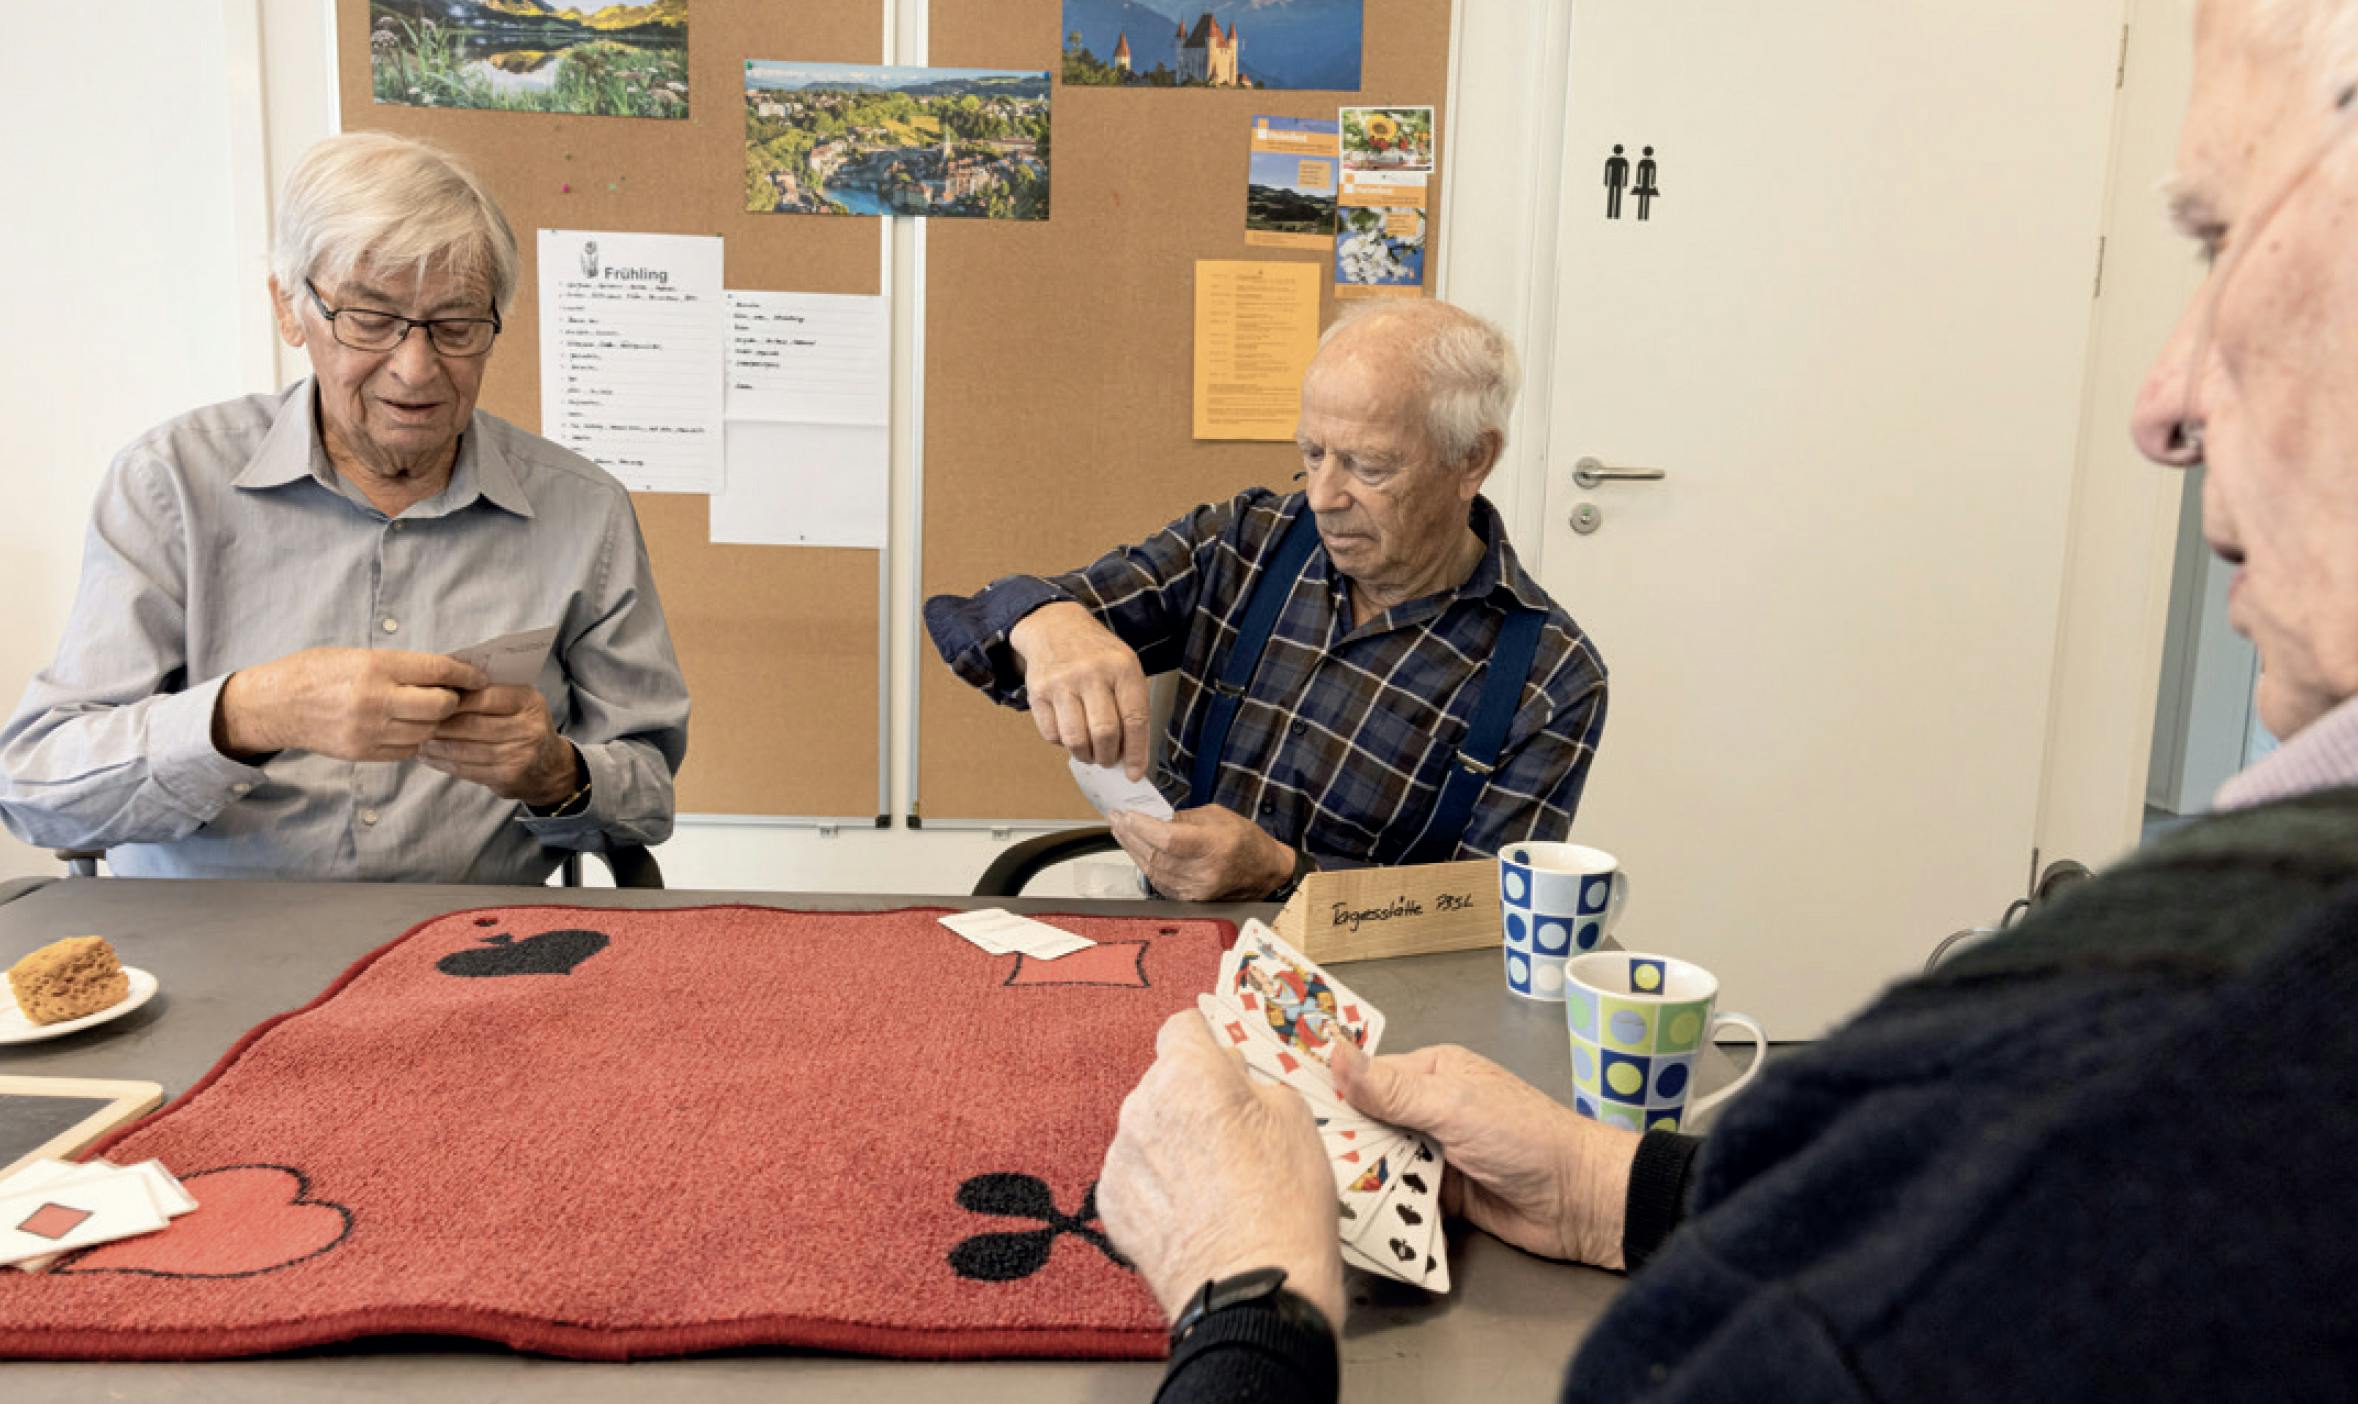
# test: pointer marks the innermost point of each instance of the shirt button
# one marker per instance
(396, 526)
(1298, 727)
(240, 788)
(368, 816)
(392, 625)
(1269, 806)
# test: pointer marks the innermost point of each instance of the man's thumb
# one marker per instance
(1383, 1088)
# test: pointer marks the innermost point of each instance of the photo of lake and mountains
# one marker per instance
(869, 139)
(531, 56)
(1226, 44)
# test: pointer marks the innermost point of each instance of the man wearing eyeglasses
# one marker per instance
(254, 681)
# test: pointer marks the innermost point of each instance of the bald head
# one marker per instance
(1461, 369)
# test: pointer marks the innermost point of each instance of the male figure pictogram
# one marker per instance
(1616, 177)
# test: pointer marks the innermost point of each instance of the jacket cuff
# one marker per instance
(1251, 1351)
(971, 632)
(1659, 1179)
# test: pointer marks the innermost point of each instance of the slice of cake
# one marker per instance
(68, 979)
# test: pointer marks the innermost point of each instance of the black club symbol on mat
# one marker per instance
(1005, 1257)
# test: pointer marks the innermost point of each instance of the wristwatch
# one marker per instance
(1244, 1289)
(1304, 866)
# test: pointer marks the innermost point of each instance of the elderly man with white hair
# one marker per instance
(254, 680)
(1367, 674)
(2108, 1155)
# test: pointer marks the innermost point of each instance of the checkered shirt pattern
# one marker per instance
(1347, 733)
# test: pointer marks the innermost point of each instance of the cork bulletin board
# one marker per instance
(1058, 355)
(781, 646)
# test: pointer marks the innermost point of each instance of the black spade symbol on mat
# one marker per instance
(1008, 1257)
(549, 953)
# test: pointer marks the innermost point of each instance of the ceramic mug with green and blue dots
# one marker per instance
(1637, 1023)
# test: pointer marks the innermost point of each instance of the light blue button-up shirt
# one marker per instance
(225, 539)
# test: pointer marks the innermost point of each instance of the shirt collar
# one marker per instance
(293, 450)
(2320, 756)
(1497, 572)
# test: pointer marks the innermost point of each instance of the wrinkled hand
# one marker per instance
(1210, 854)
(1087, 691)
(1522, 1165)
(356, 704)
(1212, 1174)
(501, 738)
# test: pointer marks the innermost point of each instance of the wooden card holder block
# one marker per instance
(1372, 913)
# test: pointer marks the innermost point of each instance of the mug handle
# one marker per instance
(1618, 900)
(1759, 1056)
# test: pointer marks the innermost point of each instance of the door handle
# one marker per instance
(1589, 472)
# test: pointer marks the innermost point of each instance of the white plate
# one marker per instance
(16, 1028)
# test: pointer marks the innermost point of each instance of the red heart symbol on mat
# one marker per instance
(250, 1219)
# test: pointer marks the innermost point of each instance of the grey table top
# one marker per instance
(229, 955)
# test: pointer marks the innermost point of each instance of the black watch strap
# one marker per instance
(1304, 866)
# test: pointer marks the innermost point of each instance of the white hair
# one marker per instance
(387, 200)
(1467, 368)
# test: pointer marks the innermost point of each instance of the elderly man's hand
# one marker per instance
(1211, 854)
(1522, 1165)
(501, 738)
(1212, 1174)
(356, 704)
(1087, 692)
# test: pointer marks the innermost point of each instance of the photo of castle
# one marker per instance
(1188, 44)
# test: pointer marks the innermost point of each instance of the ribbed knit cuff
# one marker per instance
(1658, 1180)
(1250, 1353)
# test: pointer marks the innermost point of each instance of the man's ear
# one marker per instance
(290, 322)
(1474, 469)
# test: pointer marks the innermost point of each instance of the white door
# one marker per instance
(1852, 334)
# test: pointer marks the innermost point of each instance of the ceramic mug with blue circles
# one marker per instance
(1558, 900)
(1637, 1023)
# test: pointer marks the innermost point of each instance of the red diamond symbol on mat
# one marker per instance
(53, 1221)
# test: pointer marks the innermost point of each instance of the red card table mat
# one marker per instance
(614, 1134)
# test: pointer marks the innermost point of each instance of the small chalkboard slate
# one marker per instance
(57, 1116)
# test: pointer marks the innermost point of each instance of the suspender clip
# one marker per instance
(1471, 766)
(1227, 689)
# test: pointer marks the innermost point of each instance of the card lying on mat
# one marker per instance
(1284, 1014)
(1002, 932)
(55, 1188)
(559, 1129)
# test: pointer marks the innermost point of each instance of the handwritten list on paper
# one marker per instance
(809, 401)
(632, 355)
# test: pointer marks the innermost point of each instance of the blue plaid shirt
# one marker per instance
(1348, 732)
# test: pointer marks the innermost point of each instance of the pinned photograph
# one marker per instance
(1379, 252)
(531, 56)
(864, 139)
(1387, 138)
(1230, 44)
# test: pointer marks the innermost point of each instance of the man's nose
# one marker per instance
(413, 359)
(2166, 423)
(1322, 485)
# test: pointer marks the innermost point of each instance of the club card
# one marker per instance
(513, 660)
(1301, 1005)
(1001, 932)
(1399, 1229)
(1111, 791)
(59, 1218)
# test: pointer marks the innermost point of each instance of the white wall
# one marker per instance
(128, 300)
(248, 85)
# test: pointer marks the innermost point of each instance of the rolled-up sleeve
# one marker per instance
(111, 744)
(1146, 594)
(630, 704)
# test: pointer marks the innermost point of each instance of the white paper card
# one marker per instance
(513, 660)
(633, 354)
(59, 1218)
(1112, 791)
(1001, 932)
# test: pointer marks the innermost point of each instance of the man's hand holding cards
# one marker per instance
(1284, 1014)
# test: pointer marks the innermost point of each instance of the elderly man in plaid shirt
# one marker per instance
(1345, 725)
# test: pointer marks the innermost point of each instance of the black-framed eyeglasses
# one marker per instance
(367, 329)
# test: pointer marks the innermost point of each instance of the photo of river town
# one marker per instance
(863, 139)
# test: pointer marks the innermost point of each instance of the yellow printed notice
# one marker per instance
(1256, 327)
